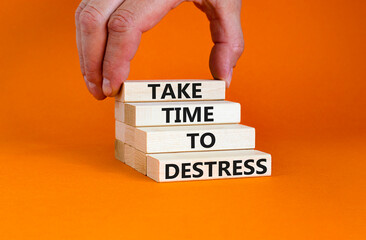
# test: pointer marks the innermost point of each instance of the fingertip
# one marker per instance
(107, 88)
(228, 78)
(117, 88)
(99, 97)
(111, 88)
(94, 89)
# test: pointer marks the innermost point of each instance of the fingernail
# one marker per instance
(228, 79)
(107, 89)
(92, 85)
(86, 82)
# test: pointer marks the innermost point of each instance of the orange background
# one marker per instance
(301, 83)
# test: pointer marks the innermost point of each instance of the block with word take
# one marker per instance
(186, 138)
(177, 113)
(187, 166)
(171, 90)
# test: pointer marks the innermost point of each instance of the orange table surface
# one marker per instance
(301, 83)
(76, 191)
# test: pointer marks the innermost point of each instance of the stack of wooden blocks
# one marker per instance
(183, 130)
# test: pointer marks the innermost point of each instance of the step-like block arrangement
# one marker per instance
(173, 131)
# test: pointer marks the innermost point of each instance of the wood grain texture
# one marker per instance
(178, 113)
(131, 156)
(119, 111)
(119, 150)
(187, 138)
(187, 166)
(171, 90)
(140, 160)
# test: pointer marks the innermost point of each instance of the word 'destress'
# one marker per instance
(186, 166)
(216, 169)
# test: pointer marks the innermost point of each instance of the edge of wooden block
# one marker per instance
(129, 156)
(119, 152)
(130, 114)
(239, 111)
(140, 140)
(140, 159)
(129, 134)
(152, 168)
(119, 111)
(120, 131)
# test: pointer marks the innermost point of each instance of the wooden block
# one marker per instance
(140, 160)
(171, 90)
(187, 166)
(130, 156)
(178, 113)
(119, 150)
(187, 138)
(119, 111)
(136, 159)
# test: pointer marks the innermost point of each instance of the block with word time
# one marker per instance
(178, 113)
(186, 138)
(171, 90)
(187, 166)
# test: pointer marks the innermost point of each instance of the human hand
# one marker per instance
(108, 33)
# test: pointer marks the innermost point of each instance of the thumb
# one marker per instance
(226, 34)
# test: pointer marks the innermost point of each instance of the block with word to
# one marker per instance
(131, 156)
(168, 167)
(177, 113)
(171, 90)
(187, 138)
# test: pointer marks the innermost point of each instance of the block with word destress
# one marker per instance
(177, 113)
(171, 90)
(187, 138)
(187, 166)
